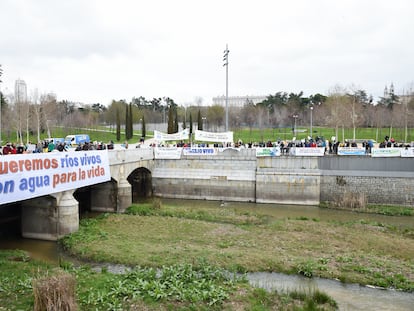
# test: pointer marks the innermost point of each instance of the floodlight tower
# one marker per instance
(226, 64)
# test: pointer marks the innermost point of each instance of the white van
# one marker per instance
(75, 140)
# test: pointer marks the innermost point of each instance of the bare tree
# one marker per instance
(215, 115)
(249, 115)
(334, 104)
(36, 111)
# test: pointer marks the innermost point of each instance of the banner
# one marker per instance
(199, 151)
(268, 152)
(159, 136)
(167, 153)
(407, 152)
(385, 152)
(307, 151)
(27, 176)
(214, 137)
(351, 151)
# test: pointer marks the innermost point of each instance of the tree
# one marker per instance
(354, 108)
(170, 127)
(184, 118)
(334, 103)
(143, 127)
(130, 122)
(199, 121)
(215, 115)
(389, 99)
(318, 99)
(118, 125)
(249, 115)
(126, 122)
(175, 121)
(191, 127)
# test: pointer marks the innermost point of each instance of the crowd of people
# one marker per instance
(331, 146)
(51, 146)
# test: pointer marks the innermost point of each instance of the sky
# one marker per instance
(94, 51)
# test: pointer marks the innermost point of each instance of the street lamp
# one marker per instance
(295, 116)
(311, 110)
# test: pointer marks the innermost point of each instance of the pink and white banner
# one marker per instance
(27, 176)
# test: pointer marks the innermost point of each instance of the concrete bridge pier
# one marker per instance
(124, 199)
(50, 217)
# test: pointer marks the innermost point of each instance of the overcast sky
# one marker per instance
(97, 50)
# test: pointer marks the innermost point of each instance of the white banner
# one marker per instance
(351, 151)
(167, 153)
(407, 152)
(385, 152)
(199, 151)
(160, 136)
(307, 151)
(226, 137)
(268, 152)
(26, 176)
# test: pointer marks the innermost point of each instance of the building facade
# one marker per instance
(238, 101)
(20, 91)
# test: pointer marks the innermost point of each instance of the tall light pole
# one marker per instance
(226, 64)
(311, 110)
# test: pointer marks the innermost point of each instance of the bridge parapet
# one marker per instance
(117, 157)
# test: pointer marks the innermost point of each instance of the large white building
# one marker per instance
(20, 91)
(238, 101)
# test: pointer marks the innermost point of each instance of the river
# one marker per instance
(348, 296)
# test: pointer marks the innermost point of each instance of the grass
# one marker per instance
(382, 209)
(357, 251)
(176, 287)
(99, 133)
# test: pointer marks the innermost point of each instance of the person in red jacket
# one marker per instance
(7, 149)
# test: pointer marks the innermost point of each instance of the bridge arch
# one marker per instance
(140, 180)
(100, 197)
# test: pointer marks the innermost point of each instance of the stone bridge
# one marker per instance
(230, 175)
(52, 217)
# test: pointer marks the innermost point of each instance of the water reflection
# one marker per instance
(348, 296)
(46, 251)
(294, 211)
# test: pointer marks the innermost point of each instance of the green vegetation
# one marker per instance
(389, 210)
(176, 287)
(357, 251)
(185, 258)
(246, 135)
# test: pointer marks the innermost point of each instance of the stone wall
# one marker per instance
(288, 180)
(240, 176)
(379, 180)
(379, 190)
(229, 176)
